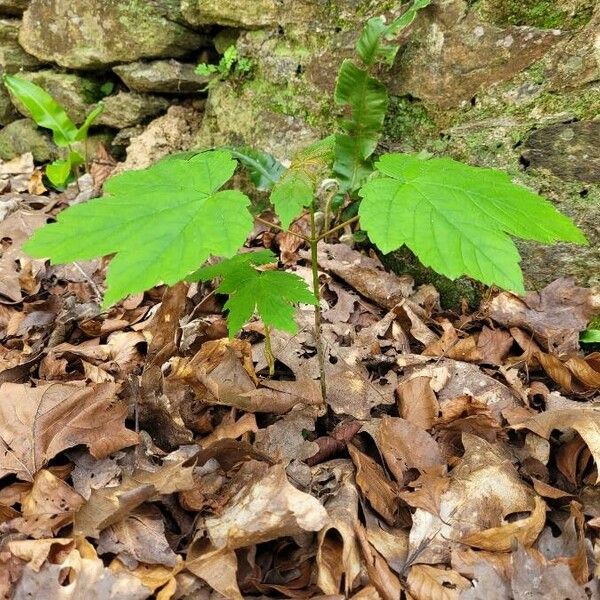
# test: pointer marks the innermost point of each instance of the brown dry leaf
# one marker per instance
(381, 493)
(35, 552)
(217, 567)
(426, 492)
(47, 507)
(338, 553)
(152, 576)
(450, 345)
(79, 575)
(555, 316)
(140, 537)
(263, 510)
(485, 488)
(110, 505)
(380, 575)
(279, 397)
(38, 423)
(552, 581)
(405, 447)
(17, 227)
(431, 583)
(229, 428)
(585, 421)
(365, 274)
(417, 402)
(501, 539)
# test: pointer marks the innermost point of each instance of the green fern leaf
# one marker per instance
(270, 294)
(161, 223)
(457, 219)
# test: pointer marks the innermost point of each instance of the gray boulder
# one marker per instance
(127, 109)
(24, 136)
(12, 56)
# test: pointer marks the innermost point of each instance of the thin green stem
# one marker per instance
(338, 227)
(269, 356)
(314, 244)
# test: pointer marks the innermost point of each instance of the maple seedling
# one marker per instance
(164, 222)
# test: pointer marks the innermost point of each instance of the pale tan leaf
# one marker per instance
(431, 583)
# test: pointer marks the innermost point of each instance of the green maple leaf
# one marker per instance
(161, 223)
(457, 219)
(270, 294)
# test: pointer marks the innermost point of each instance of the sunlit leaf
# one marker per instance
(457, 219)
(161, 223)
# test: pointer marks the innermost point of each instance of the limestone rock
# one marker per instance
(76, 94)
(251, 14)
(164, 76)
(173, 132)
(23, 136)
(568, 150)
(90, 34)
(127, 109)
(12, 57)
(451, 54)
(13, 7)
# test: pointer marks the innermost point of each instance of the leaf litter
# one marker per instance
(145, 454)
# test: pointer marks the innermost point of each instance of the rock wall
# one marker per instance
(513, 84)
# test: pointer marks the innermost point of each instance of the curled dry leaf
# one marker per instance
(263, 510)
(38, 423)
(110, 505)
(217, 567)
(431, 583)
(364, 274)
(381, 493)
(586, 421)
(502, 538)
(140, 537)
(47, 507)
(338, 553)
(79, 575)
(417, 401)
(555, 316)
(485, 488)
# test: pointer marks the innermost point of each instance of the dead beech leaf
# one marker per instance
(217, 567)
(110, 505)
(47, 507)
(265, 509)
(230, 429)
(381, 493)
(338, 553)
(38, 423)
(380, 575)
(586, 421)
(17, 227)
(468, 415)
(485, 488)
(405, 447)
(417, 402)
(365, 274)
(502, 538)
(279, 397)
(138, 538)
(35, 552)
(152, 576)
(431, 583)
(555, 316)
(87, 577)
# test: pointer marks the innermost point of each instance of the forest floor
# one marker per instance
(145, 454)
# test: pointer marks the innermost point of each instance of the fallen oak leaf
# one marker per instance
(38, 423)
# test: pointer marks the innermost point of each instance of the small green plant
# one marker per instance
(48, 113)
(162, 223)
(229, 66)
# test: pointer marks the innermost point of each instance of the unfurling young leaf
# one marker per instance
(457, 219)
(161, 223)
(295, 189)
(270, 294)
